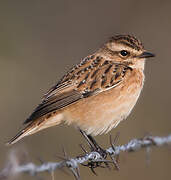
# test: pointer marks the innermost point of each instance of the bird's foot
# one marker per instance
(94, 147)
(102, 161)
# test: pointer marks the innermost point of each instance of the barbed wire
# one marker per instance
(92, 159)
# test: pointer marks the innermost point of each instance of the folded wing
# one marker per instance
(92, 76)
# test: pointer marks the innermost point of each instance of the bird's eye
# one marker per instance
(124, 53)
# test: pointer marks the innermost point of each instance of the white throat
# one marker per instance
(139, 64)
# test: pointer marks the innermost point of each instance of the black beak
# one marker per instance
(146, 54)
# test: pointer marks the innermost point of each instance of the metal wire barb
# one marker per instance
(13, 167)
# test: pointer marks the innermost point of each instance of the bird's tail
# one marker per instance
(24, 132)
(36, 126)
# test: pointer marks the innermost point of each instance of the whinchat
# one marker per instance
(96, 94)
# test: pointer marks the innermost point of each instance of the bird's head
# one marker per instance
(127, 49)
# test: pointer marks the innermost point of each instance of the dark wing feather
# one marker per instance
(59, 102)
(92, 76)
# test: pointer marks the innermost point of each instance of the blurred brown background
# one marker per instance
(40, 40)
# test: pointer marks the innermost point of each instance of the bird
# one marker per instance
(96, 94)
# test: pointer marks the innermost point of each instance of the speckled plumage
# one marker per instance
(96, 94)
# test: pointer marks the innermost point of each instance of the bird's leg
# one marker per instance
(97, 147)
(88, 140)
(93, 144)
